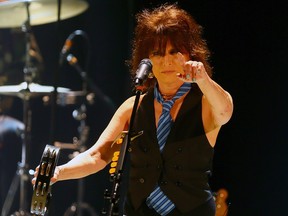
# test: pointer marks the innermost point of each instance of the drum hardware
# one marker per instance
(71, 98)
(12, 14)
(22, 175)
(79, 145)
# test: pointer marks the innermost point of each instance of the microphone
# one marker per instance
(68, 44)
(144, 68)
(66, 48)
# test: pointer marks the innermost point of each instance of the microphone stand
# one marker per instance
(87, 82)
(80, 115)
(114, 196)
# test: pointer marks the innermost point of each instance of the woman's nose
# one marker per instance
(167, 60)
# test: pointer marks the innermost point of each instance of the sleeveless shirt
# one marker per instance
(183, 169)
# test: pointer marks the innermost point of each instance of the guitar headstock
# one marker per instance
(221, 202)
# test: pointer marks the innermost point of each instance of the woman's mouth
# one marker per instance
(168, 72)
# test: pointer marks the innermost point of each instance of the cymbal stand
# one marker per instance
(29, 68)
(22, 174)
(22, 177)
(79, 145)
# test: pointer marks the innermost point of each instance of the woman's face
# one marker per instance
(167, 65)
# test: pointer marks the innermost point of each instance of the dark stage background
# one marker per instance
(248, 40)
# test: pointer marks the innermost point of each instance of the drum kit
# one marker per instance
(24, 14)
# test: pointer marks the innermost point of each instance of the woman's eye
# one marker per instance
(173, 52)
(156, 53)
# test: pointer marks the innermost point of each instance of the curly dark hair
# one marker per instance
(167, 22)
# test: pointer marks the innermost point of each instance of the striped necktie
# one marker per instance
(157, 199)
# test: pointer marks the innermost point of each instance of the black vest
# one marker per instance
(183, 168)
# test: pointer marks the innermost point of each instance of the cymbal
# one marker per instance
(13, 13)
(32, 90)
